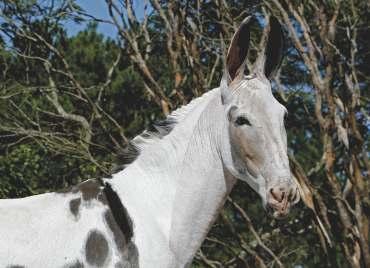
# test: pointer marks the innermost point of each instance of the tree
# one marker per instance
(68, 105)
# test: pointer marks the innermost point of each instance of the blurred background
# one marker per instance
(79, 79)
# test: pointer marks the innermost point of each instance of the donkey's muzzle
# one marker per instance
(280, 199)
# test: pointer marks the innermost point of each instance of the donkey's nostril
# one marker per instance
(272, 193)
(277, 194)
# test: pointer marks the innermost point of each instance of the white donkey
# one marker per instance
(156, 212)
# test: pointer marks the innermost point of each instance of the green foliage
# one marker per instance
(29, 169)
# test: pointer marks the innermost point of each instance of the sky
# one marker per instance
(99, 9)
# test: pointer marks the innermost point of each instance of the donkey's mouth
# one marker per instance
(278, 211)
(279, 208)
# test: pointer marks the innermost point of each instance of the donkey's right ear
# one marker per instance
(238, 50)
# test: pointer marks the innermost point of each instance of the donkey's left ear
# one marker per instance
(274, 48)
(238, 49)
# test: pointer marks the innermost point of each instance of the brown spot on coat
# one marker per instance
(96, 248)
(90, 189)
(74, 206)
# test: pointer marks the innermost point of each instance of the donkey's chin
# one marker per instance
(278, 213)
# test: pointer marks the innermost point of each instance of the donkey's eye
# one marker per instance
(241, 120)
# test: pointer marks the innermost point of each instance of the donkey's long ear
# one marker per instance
(271, 56)
(238, 50)
(274, 48)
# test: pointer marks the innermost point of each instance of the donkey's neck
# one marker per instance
(175, 188)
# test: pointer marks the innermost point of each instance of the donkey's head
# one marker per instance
(255, 120)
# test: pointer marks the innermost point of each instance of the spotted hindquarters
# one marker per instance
(111, 245)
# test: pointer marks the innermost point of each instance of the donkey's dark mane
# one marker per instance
(127, 155)
(156, 132)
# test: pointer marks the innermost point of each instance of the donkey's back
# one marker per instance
(83, 226)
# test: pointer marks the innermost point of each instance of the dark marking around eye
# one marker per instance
(241, 120)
